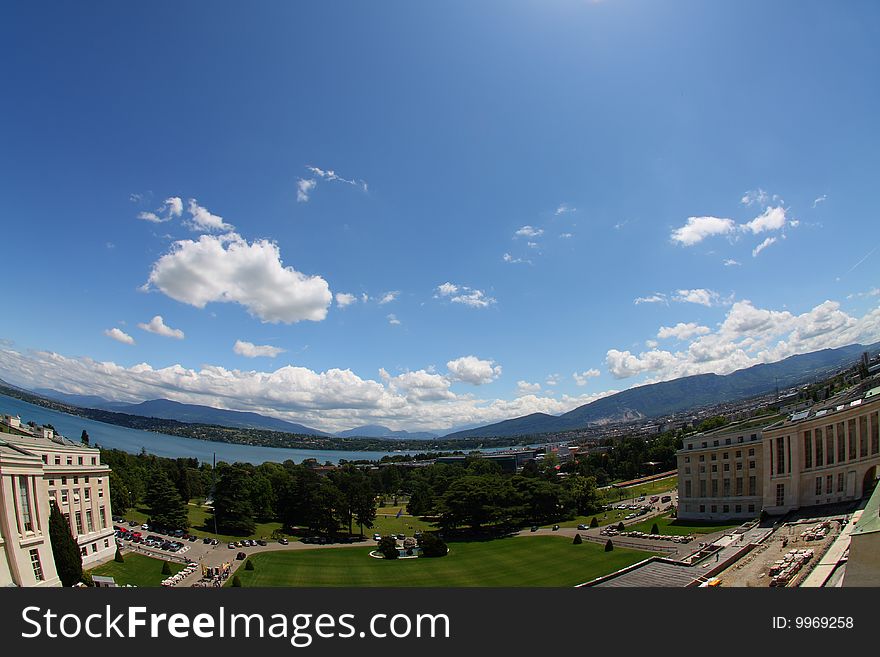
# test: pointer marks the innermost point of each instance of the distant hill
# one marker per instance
(689, 392)
(167, 409)
(378, 431)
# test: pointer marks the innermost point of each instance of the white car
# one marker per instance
(377, 537)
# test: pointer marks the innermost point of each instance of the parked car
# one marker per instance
(231, 546)
(556, 528)
(206, 540)
(377, 537)
(283, 541)
(145, 526)
(240, 556)
(534, 528)
(132, 523)
(261, 542)
(582, 527)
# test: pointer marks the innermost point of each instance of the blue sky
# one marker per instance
(426, 216)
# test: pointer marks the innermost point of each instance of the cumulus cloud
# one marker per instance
(464, 295)
(529, 231)
(582, 378)
(699, 296)
(158, 326)
(229, 269)
(526, 388)
(473, 370)
(172, 207)
(770, 219)
(119, 336)
(344, 299)
(201, 219)
(763, 245)
(682, 331)
(749, 335)
(699, 228)
(251, 350)
(304, 187)
(388, 297)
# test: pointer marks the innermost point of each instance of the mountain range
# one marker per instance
(378, 431)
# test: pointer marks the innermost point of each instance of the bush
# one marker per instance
(432, 545)
(609, 546)
(166, 568)
(118, 558)
(248, 565)
(388, 547)
(655, 529)
(236, 583)
(577, 540)
(621, 527)
(594, 522)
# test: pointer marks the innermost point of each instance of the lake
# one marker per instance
(110, 436)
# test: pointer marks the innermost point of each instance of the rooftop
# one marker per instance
(869, 523)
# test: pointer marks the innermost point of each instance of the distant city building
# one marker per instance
(70, 474)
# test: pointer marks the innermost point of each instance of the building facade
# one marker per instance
(71, 475)
(720, 473)
(826, 454)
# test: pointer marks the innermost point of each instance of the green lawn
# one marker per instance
(391, 525)
(201, 523)
(138, 570)
(605, 518)
(675, 527)
(614, 495)
(524, 561)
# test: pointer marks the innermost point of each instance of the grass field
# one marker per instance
(613, 495)
(673, 526)
(137, 570)
(610, 518)
(525, 561)
(201, 523)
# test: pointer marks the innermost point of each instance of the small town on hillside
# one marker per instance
(778, 490)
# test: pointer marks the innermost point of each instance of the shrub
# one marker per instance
(248, 565)
(388, 547)
(621, 527)
(609, 546)
(166, 568)
(655, 529)
(118, 558)
(236, 583)
(577, 540)
(432, 545)
(594, 522)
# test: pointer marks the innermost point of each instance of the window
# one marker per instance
(715, 443)
(687, 488)
(725, 508)
(714, 488)
(739, 453)
(79, 523)
(702, 488)
(57, 460)
(780, 494)
(829, 444)
(714, 508)
(87, 480)
(751, 465)
(780, 456)
(840, 483)
(24, 504)
(79, 460)
(726, 488)
(51, 482)
(90, 525)
(94, 547)
(829, 484)
(863, 436)
(851, 426)
(705, 444)
(753, 486)
(84, 552)
(69, 460)
(64, 496)
(63, 481)
(102, 514)
(751, 451)
(37, 566)
(687, 469)
(46, 459)
(106, 542)
(738, 508)
(725, 456)
(702, 508)
(702, 457)
(754, 436)
(820, 446)
(841, 443)
(818, 485)
(88, 493)
(751, 508)
(875, 432)
(739, 466)
(808, 449)
(739, 486)
(727, 467)
(687, 459)
(714, 468)
(714, 457)
(727, 441)
(94, 460)
(76, 480)
(100, 492)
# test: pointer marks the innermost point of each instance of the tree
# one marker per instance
(388, 547)
(432, 545)
(577, 539)
(84, 437)
(475, 501)
(609, 546)
(621, 527)
(655, 529)
(357, 497)
(120, 497)
(594, 522)
(68, 559)
(248, 565)
(232, 502)
(118, 558)
(236, 582)
(167, 509)
(166, 568)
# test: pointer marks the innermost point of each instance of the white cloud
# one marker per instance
(651, 344)
(228, 268)
(509, 258)
(473, 370)
(388, 297)
(763, 245)
(251, 350)
(119, 336)
(699, 228)
(623, 364)
(392, 319)
(755, 196)
(552, 380)
(621, 224)
(564, 208)
(304, 187)
(657, 297)
(172, 207)
(344, 299)
(529, 231)
(331, 176)
(582, 378)
(699, 296)
(565, 236)
(532, 245)
(682, 331)
(464, 295)
(819, 200)
(203, 220)
(526, 388)
(731, 263)
(158, 326)
(770, 219)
